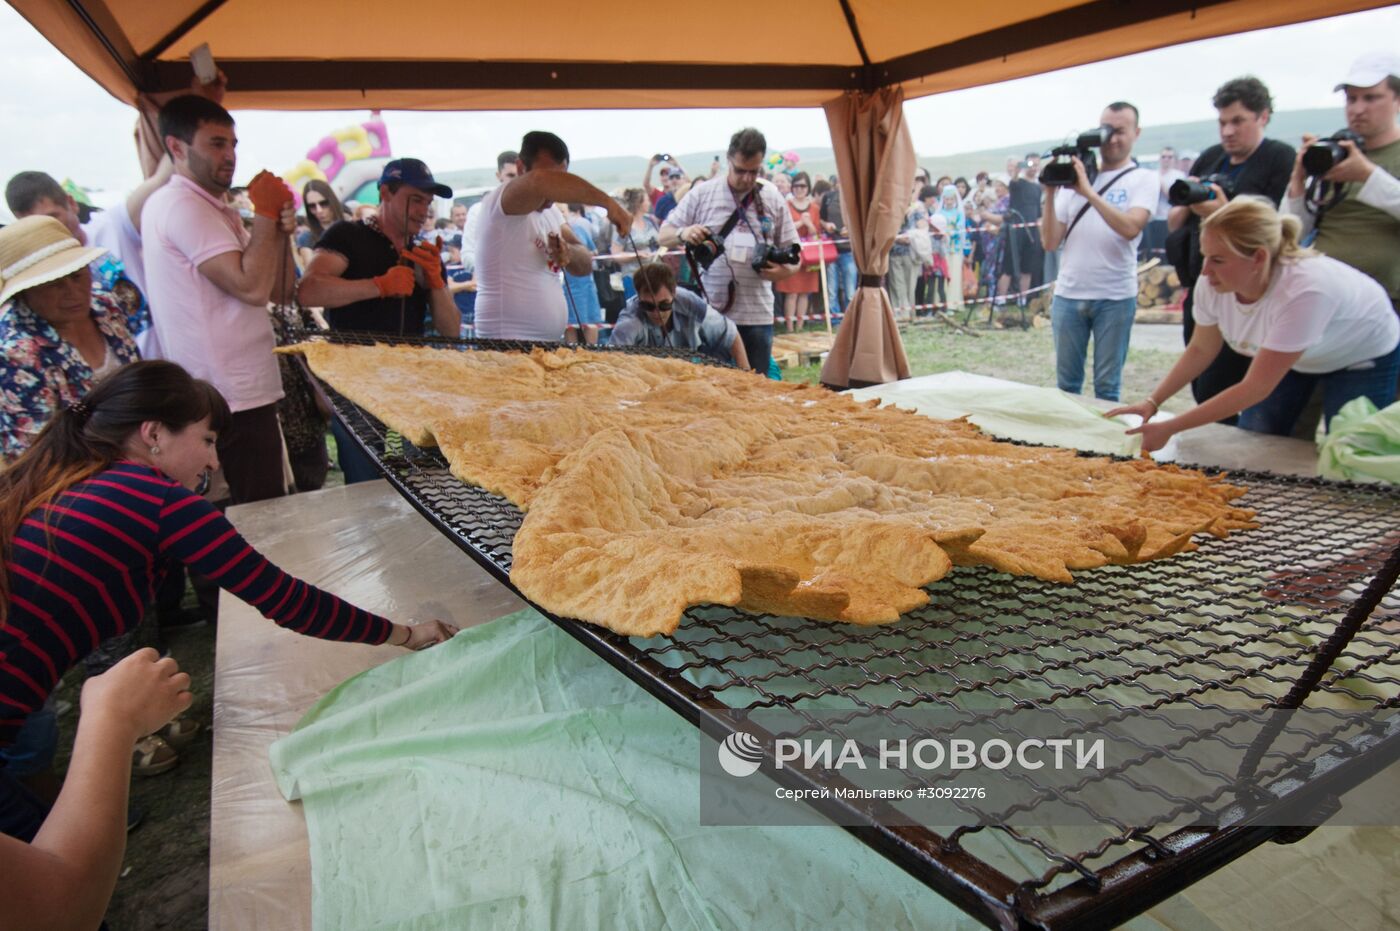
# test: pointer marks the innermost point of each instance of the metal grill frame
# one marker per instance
(1101, 897)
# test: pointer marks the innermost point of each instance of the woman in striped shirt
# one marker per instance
(96, 512)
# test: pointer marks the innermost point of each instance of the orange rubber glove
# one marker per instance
(427, 257)
(396, 282)
(269, 195)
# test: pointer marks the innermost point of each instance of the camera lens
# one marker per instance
(1185, 192)
(1319, 157)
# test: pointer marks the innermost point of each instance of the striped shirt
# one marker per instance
(85, 567)
(711, 205)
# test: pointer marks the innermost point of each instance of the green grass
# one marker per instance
(1026, 356)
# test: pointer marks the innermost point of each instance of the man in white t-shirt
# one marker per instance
(1154, 238)
(506, 171)
(211, 281)
(1097, 225)
(523, 244)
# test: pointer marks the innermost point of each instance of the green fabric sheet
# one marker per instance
(1006, 409)
(1362, 444)
(512, 779)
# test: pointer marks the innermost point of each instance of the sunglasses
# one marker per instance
(313, 204)
(662, 306)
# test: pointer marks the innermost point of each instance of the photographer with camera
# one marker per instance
(1244, 162)
(741, 235)
(1352, 202)
(1096, 224)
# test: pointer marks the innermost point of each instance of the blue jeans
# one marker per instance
(22, 812)
(34, 746)
(758, 344)
(841, 278)
(1278, 413)
(356, 466)
(1111, 325)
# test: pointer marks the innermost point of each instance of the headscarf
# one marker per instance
(957, 219)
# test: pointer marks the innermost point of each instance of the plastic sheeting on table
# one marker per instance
(1363, 443)
(1010, 410)
(366, 544)
(1045, 415)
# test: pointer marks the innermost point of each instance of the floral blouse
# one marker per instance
(41, 373)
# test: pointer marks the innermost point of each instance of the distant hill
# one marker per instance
(622, 171)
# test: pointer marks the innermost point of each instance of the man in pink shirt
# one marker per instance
(212, 281)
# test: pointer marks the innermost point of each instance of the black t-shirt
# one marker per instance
(1025, 199)
(370, 254)
(830, 212)
(1265, 172)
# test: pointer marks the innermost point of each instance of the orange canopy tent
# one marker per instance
(446, 55)
(857, 58)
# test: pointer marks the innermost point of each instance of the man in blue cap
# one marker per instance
(371, 276)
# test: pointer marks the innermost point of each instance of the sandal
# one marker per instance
(152, 756)
(180, 732)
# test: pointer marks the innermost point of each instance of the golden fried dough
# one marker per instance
(651, 484)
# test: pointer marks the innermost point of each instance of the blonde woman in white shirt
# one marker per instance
(1303, 318)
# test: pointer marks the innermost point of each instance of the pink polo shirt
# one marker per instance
(213, 334)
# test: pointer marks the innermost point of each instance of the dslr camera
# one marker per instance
(706, 251)
(1059, 170)
(1322, 155)
(1185, 192)
(763, 253)
(662, 157)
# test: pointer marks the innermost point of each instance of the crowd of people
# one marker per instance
(141, 393)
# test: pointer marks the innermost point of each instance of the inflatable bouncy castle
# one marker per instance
(349, 160)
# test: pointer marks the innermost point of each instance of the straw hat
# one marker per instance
(37, 250)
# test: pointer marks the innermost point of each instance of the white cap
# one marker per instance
(1371, 69)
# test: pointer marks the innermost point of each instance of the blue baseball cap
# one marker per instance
(414, 173)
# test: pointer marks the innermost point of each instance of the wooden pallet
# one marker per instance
(801, 348)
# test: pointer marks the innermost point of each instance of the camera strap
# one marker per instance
(1085, 209)
(734, 217)
(696, 272)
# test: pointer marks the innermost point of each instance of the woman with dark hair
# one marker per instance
(640, 243)
(323, 209)
(799, 288)
(92, 517)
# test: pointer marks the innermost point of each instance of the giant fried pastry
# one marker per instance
(651, 484)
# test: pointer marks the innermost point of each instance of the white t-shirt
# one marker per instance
(213, 334)
(1165, 180)
(113, 230)
(712, 204)
(518, 294)
(1335, 314)
(1096, 264)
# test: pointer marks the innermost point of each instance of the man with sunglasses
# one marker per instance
(662, 315)
(760, 217)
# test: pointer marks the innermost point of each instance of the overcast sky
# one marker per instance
(57, 120)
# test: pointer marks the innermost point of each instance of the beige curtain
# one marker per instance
(875, 158)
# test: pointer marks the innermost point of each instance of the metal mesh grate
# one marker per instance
(1237, 624)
